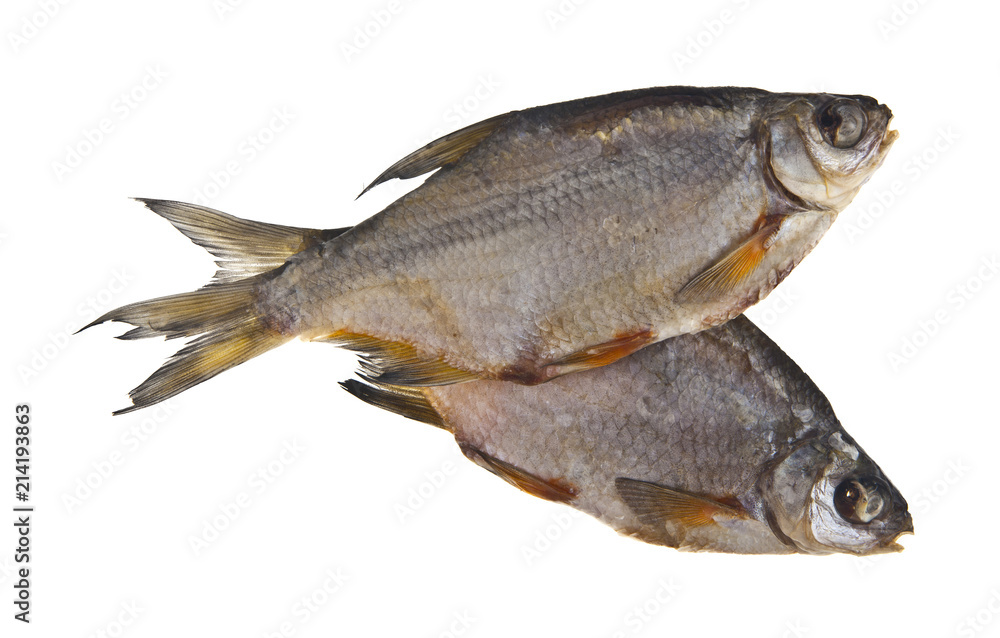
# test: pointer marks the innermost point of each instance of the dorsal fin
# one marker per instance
(655, 504)
(442, 151)
(550, 489)
(407, 402)
(244, 247)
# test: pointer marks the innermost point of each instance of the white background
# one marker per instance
(118, 559)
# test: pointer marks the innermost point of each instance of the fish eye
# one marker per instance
(860, 500)
(842, 123)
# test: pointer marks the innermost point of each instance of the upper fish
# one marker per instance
(550, 240)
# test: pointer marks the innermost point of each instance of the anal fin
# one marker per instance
(408, 402)
(656, 504)
(601, 354)
(727, 274)
(396, 363)
(549, 489)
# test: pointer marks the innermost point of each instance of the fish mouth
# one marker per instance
(891, 545)
(889, 136)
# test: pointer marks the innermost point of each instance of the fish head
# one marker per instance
(823, 148)
(828, 496)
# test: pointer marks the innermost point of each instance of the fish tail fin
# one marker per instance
(244, 248)
(225, 327)
(223, 319)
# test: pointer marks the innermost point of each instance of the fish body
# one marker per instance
(551, 240)
(570, 227)
(714, 441)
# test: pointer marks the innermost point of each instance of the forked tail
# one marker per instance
(223, 317)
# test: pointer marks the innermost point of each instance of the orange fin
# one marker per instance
(731, 271)
(396, 363)
(655, 504)
(407, 402)
(600, 355)
(550, 489)
(442, 151)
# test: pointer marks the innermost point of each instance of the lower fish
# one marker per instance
(714, 441)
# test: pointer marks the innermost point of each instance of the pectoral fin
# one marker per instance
(730, 272)
(398, 364)
(442, 151)
(656, 504)
(549, 489)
